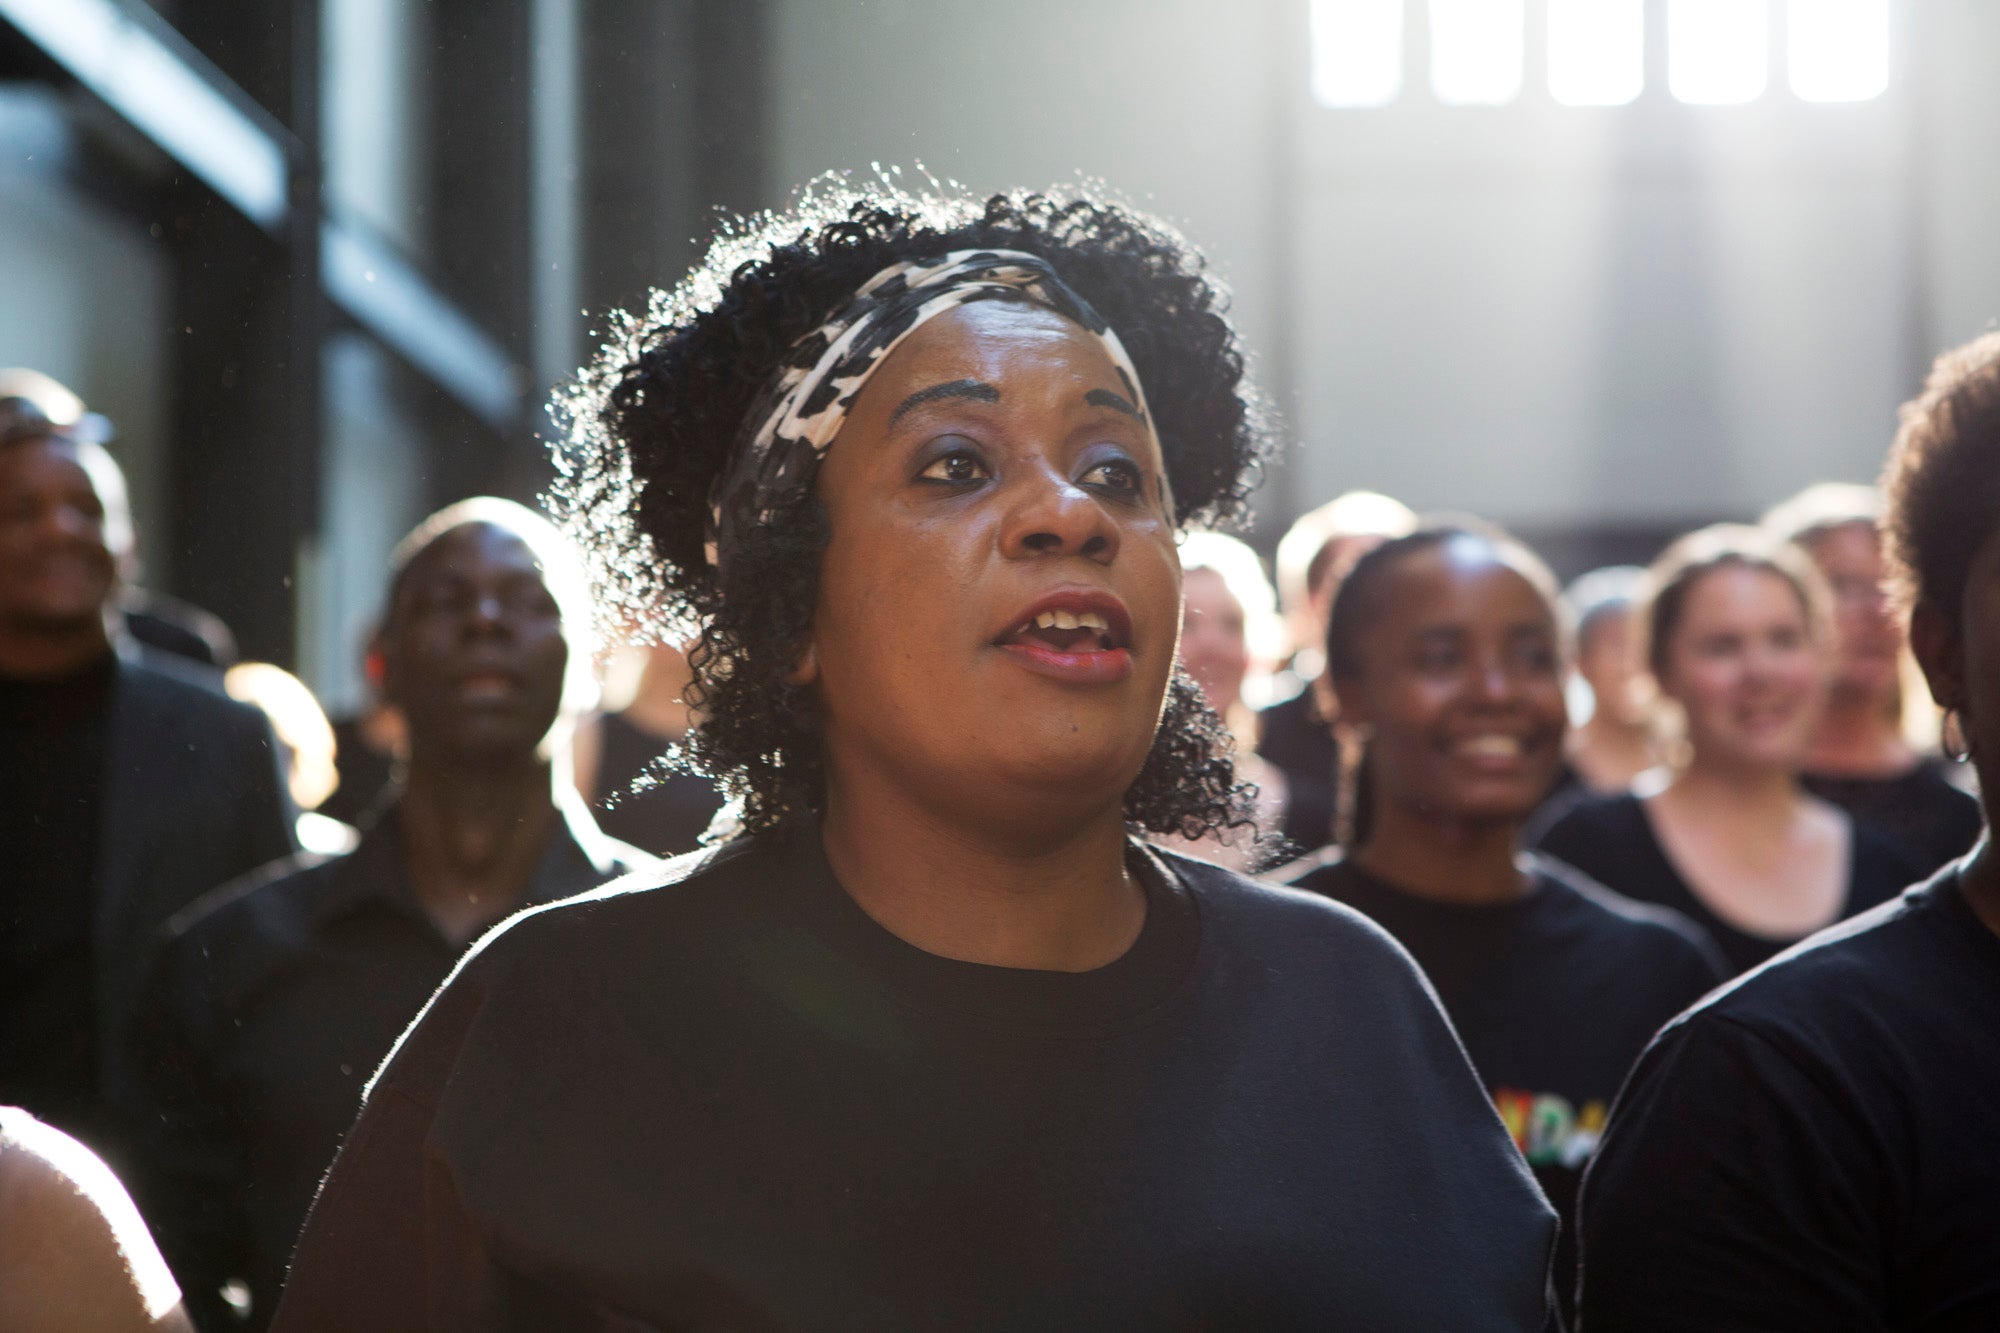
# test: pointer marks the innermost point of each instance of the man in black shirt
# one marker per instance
(279, 995)
(127, 788)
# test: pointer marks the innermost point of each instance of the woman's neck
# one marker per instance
(1052, 896)
(1449, 860)
(474, 835)
(1609, 754)
(1858, 737)
(1755, 795)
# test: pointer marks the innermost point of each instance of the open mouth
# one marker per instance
(1082, 638)
(1066, 632)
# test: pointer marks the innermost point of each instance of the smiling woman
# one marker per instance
(934, 1041)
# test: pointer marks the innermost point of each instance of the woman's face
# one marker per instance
(1459, 686)
(1744, 666)
(999, 602)
(1868, 637)
(1215, 645)
(1610, 662)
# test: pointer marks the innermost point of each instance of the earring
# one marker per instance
(1952, 739)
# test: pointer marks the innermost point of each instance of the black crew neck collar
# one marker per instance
(1129, 992)
(1537, 892)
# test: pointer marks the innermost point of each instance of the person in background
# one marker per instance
(1444, 652)
(1814, 1147)
(128, 788)
(634, 793)
(1861, 756)
(1229, 625)
(278, 996)
(154, 619)
(1737, 641)
(74, 1253)
(1296, 734)
(1618, 741)
(303, 730)
(935, 1041)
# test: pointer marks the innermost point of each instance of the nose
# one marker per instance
(1052, 515)
(1492, 682)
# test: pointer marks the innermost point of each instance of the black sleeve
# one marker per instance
(1731, 1191)
(267, 821)
(389, 1244)
(195, 1172)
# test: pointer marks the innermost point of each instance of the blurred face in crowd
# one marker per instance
(1868, 638)
(1610, 662)
(1744, 666)
(1215, 645)
(1329, 570)
(473, 649)
(56, 566)
(999, 602)
(1459, 686)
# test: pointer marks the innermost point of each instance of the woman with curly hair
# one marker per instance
(934, 1040)
(1814, 1147)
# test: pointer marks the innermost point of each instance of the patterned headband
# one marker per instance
(797, 416)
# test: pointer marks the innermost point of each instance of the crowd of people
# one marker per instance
(989, 901)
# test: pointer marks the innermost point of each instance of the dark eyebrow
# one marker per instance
(1106, 398)
(977, 390)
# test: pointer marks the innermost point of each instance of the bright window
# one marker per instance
(1597, 51)
(1718, 51)
(1476, 51)
(1837, 50)
(1357, 52)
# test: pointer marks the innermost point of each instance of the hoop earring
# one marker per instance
(1950, 730)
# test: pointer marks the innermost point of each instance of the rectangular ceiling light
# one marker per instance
(1597, 51)
(1718, 51)
(1357, 52)
(1476, 50)
(1838, 50)
(163, 95)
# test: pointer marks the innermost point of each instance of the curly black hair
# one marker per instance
(654, 419)
(1942, 483)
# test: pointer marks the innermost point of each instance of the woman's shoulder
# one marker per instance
(1626, 925)
(1595, 824)
(1270, 917)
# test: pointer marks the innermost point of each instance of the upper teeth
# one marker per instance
(1491, 745)
(1072, 620)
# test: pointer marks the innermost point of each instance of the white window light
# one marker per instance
(1476, 51)
(1597, 51)
(1357, 52)
(1838, 50)
(1718, 51)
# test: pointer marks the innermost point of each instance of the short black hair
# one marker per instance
(1942, 481)
(654, 419)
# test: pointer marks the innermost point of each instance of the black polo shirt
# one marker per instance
(276, 998)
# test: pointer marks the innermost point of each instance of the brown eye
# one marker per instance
(956, 468)
(1117, 475)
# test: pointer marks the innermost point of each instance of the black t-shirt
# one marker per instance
(1611, 839)
(1933, 821)
(1554, 994)
(1817, 1146)
(735, 1101)
(1295, 739)
(668, 813)
(52, 759)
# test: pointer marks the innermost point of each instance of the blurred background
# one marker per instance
(1601, 270)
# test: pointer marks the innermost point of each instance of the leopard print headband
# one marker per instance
(796, 418)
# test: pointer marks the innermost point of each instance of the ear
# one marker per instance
(1935, 642)
(806, 670)
(1347, 704)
